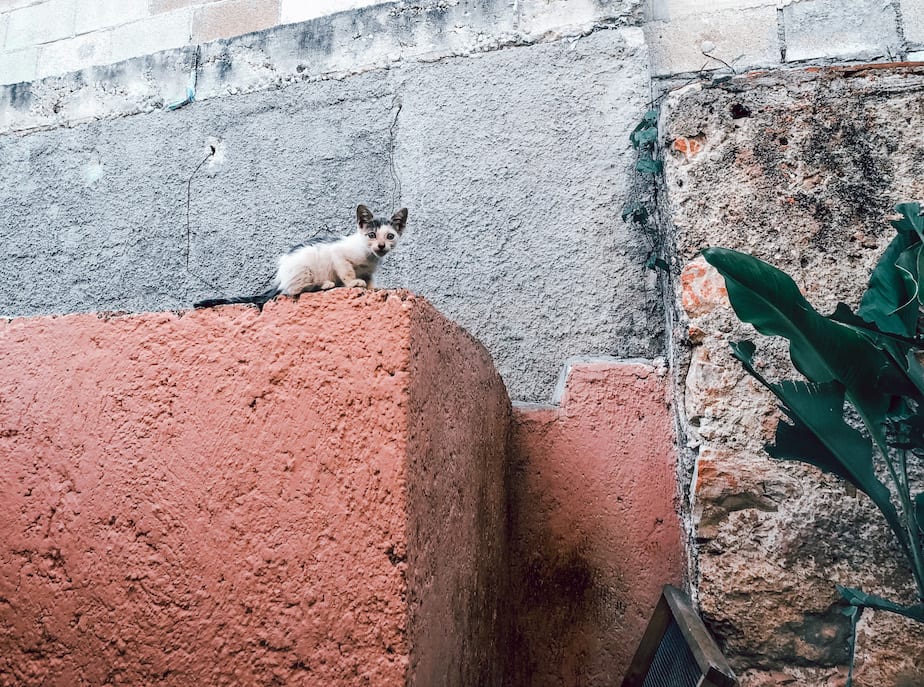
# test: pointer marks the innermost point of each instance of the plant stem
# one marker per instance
(913, 544)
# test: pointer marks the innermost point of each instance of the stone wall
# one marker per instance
(800, 169)
(40, 38)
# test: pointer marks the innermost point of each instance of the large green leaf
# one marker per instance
(909, 263)
(819, 435)
(888, 302)
(911, 222)
(822, 349)
(904, 376)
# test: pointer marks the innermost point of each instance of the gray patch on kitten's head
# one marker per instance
(381, 234)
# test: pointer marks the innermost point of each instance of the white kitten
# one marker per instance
(325, 263)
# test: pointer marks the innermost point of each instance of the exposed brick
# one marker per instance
(851, 29)
(702, 288)
(743, 38)
(71, 54)
(234, 18)
(43, 23)
(102, 14)
(160, 32)
(913, 20)
(18, 65)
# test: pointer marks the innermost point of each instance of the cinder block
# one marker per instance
(846, 29)
(234, 498)
(18, 65)
(742, 38)
(666, 10)
(43, 23)
(537, 17)
(233, 18)
(157, 6)
(16, 4)
(292, 11)
(159, 32)
(71, 54)
(101, 14)
(913, 21)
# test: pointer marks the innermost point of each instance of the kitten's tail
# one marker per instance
(259, 300)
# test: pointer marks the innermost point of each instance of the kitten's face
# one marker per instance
(381, 234)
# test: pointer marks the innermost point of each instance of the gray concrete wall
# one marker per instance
(513, 160)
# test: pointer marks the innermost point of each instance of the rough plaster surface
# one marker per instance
(229, 497)
(594, 528)
(519, 200)
(800, 169)
(514, 165)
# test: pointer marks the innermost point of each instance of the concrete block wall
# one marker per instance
(40, 38)
(688, 36)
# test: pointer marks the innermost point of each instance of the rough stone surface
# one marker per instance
(801, 170)
(513, 193)
(594, 528)
(229, 497)
(851, 29)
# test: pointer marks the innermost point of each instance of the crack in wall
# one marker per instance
(396, 106)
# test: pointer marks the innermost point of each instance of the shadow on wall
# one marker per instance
(594, 531)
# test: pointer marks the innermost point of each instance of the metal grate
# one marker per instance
(673, 664)
(677, 649)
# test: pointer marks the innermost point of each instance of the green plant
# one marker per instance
(644, 138)
(861, 365)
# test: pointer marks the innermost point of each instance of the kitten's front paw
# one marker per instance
(355, 284)
(327, 285)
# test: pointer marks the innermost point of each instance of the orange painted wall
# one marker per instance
(319, 494)
(595, 533)
(230, 497)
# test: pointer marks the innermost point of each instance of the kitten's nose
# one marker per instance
(381, 246)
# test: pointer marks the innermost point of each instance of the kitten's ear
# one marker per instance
(399, 219)
(363, 216)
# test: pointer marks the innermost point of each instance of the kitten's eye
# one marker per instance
(371, 234)
(389, 236)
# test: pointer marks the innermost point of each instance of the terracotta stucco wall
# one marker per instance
(595, 533)
(224, 497)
